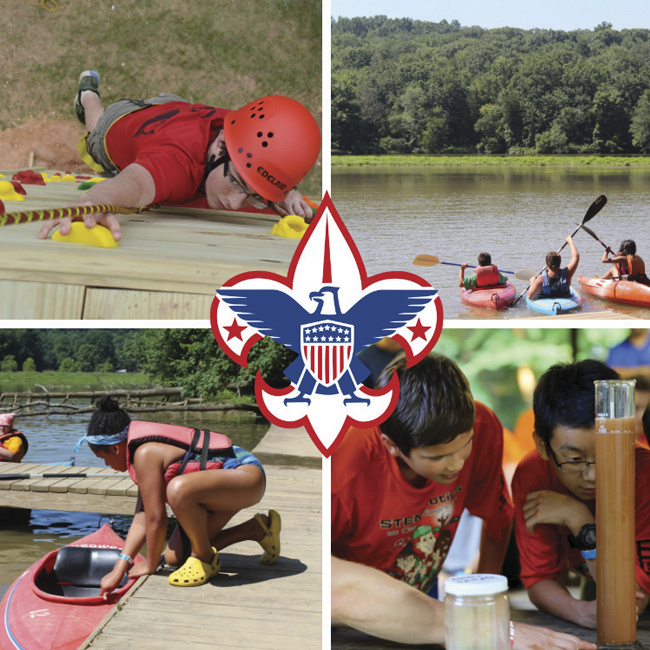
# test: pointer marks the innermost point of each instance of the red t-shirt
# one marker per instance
(545, 554)
(170, 141)
(379, 519)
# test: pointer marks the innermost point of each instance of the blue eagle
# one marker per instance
(277, 314)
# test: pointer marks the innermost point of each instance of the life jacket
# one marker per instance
(187, 438)
(627, 267)
(557, 286)
(487, 276)
(14, 434)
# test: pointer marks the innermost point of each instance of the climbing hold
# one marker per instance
(292, 226)
(99, 236)
(28, 177)
(8, 192)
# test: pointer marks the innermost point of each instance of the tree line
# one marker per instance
(410, 86)
(190, 358)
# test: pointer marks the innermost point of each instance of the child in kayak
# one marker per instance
(485, 275)
(167, 149)
(13, 444)
(205, 479)
(627, 264)
(554, 281)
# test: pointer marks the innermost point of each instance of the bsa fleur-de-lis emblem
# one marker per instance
(327, 309)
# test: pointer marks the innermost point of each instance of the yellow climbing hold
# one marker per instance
(8, 193)
(99, 236)
(69, 177)
(292, 226)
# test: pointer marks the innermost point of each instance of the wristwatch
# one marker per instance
(585, 540)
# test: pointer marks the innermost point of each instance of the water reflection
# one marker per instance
(516, 214)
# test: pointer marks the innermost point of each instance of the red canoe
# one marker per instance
(630, 293)
(55, 604)
(490, 297)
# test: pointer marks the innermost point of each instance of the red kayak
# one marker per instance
(56, 602)
(489, 297)
(630, 293)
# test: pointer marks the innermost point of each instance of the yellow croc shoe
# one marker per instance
(99, 235)
(271, 540)
(194, 572)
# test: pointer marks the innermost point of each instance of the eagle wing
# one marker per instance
(382, 312)
(272, 312)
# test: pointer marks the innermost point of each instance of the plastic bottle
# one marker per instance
(477, 612)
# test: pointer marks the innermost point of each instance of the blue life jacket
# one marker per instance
(554, 287)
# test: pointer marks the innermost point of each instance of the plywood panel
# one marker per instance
(158, 305)
(27, 300)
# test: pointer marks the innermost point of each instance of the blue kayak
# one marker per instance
(557, 305)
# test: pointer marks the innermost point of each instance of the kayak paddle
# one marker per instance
(592, 211)
(595, 236)
(432, 260)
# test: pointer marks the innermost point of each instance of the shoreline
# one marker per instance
(627, 162)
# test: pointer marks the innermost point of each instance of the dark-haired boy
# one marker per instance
(397, 495)
(554, 490)
(555, 281)
(486, 274)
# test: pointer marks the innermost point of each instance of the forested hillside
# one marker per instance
(407, 86)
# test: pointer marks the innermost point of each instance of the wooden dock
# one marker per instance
(168, 264)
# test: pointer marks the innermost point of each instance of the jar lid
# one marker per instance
(476, 584)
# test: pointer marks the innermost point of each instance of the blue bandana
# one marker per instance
(106, 439)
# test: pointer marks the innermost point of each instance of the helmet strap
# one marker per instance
(213, 163)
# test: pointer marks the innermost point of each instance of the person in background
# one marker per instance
(554, 492)
(554, 281)
(627, 264)
(486, 274)
(631, 357)
(13, 444)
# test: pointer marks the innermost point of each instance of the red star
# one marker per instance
(419, 331)
(234, 331)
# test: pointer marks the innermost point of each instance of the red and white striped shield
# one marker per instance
(326, 348)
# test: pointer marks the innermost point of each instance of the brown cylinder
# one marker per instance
(615, 512)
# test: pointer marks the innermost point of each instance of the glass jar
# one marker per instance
(477, 612)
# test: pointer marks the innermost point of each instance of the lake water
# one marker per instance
(52, 440)
(515, 214)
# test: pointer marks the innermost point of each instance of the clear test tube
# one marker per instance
(615, 512)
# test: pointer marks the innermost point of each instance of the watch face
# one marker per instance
(588, 535)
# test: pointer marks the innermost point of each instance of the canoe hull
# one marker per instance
(623, 291)
(555, 306)
(490, 297)
(37, 614)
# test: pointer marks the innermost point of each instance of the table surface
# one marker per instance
(520, 609)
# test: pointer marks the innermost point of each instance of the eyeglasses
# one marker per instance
(252, 199)
(571, 466)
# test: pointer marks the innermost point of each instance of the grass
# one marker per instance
(13, 382)
(492, 161)
(223, 54)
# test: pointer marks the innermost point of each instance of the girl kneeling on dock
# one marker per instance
(204, 484)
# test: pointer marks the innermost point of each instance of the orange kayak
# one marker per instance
(630, 293)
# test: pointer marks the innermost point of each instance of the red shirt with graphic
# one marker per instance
(379, 519)
(170, 141)
(545, 554)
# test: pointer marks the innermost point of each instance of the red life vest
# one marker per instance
(186, 438)
(14, 434)
(487, 276)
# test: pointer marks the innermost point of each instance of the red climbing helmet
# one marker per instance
(273, 142)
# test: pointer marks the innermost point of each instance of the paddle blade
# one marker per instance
(426, 260)
(595, 208)
(525, 274)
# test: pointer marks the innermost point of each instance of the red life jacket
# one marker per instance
(14, 434)
(487, 276)
(186, 438)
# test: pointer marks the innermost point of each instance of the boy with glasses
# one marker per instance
(165, 149)
(554, 493)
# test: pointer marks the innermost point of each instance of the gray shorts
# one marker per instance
(96, 140)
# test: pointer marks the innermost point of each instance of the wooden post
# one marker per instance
(615, 513)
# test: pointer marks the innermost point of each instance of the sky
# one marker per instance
(528, 14)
